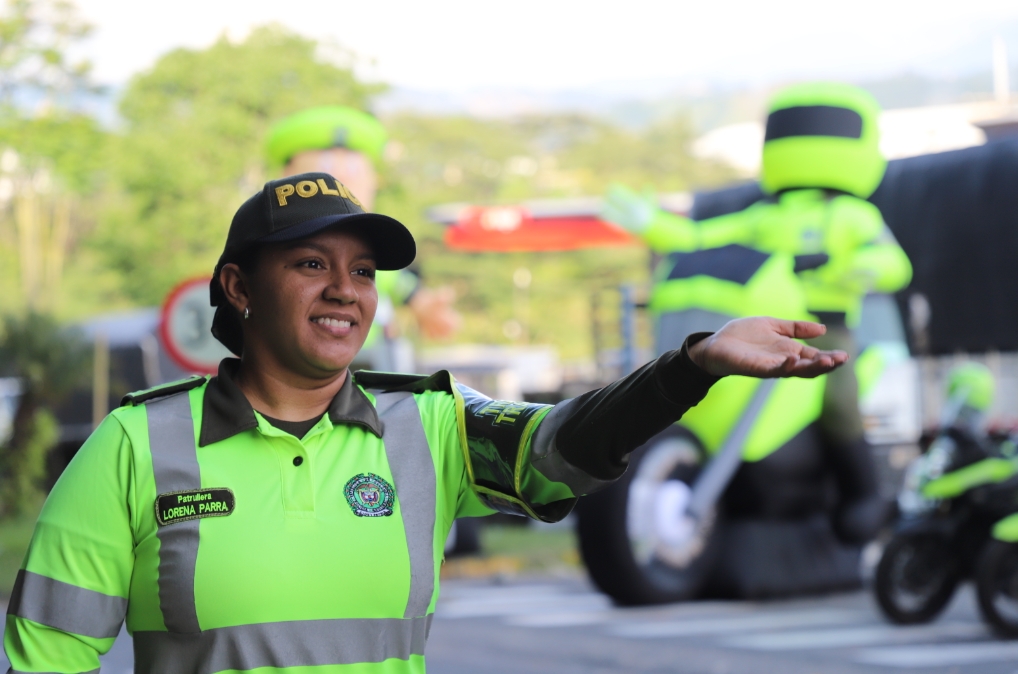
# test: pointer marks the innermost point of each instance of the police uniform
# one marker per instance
(821, 160)
(228, 543)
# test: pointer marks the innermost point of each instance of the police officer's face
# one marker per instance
(312, 303)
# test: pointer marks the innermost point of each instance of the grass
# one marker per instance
(515, 550)
(15, 534)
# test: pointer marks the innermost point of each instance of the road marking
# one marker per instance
(511, 606)
(854, 636)
(770, 621)
(933, 655)
(574, 619)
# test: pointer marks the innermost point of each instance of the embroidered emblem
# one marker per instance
(369, 495)
(180, 506)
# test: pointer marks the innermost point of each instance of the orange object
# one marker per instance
(510, 229)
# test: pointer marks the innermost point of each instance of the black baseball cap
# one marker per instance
(300, 206)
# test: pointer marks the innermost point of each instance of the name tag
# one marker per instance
(180, 506)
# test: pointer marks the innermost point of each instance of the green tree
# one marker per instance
(192, 149)
(435, 160)
(49, 361)
(34, 61)
(50, 154)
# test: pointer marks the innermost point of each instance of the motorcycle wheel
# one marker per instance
(634, 540)
(916, 577)
(997, 587)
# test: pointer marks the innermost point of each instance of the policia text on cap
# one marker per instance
(288, 514)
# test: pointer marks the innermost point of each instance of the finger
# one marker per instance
(808, 329)
(807, 369)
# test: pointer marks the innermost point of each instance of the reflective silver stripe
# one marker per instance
(545, 457)
(297, 643)
(175, 465)
(66, 607)
(11, 670)
(413, 472)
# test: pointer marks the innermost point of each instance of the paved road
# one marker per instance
(562, 627)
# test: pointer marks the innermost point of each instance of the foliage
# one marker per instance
(50, 155)
(34, 40)
(49, 361)
(191, 150)
(152, 202)
(459, 159)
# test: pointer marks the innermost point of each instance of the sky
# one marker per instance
(630, 47)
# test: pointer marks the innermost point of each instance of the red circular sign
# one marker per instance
(186, 328)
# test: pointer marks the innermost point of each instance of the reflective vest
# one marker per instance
(261, 550)
(862, 253)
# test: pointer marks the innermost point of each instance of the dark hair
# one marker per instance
(226, 325)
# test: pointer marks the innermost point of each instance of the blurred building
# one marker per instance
(904, 132)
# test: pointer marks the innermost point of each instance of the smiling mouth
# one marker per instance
(332, 323)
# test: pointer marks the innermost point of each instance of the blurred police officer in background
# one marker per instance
(821, 160)
(349, 144)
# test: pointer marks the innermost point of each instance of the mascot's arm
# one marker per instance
(724, 230)
(873, 256)
(884, 263)
(671, 233)
(640, 215)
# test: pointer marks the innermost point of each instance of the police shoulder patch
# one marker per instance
(193, 504)
(369, 495)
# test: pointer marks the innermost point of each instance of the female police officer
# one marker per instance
(285, 514)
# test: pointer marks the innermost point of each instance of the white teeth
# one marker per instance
(332, 322)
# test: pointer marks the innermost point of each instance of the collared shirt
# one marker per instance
(325, 551)
(230, 544)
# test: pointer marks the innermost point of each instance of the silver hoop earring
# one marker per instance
(247, 313)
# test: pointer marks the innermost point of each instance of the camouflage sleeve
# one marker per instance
(498, 438)
(535, 460)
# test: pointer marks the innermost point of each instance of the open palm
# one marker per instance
(765, 347)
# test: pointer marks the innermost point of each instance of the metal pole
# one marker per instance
(628, 329)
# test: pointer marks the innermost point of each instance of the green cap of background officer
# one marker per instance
(334, 139)
(823, 135)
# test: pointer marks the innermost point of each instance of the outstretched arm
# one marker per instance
(585, 442)
(640, 215)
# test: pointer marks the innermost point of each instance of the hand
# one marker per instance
(765, 347)
(433, 309)
(629, 210)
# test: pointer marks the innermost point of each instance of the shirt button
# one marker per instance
(297, 460)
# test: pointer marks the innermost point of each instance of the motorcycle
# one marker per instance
(736, 499)
(997, 578)
(957, 496)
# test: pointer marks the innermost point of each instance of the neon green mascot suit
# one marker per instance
(821, 161)
(348, 144)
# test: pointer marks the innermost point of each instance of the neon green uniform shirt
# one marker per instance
(228, 544)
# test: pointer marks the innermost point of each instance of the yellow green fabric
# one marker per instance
(792, 405)
(853, 165)
(864, 256)
(292, 550)
(1006, 530)
(325, 127)
(975, 382)
(955, 483)
(773, 291)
